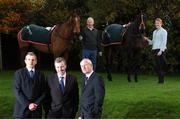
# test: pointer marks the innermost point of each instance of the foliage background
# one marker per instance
(14, 14)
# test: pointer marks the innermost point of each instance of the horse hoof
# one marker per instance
(109, 78)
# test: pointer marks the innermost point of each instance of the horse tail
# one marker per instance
(19, 38)
(106, 37)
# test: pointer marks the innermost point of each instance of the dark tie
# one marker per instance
(62, 84)
(31, 73)
(86, 80)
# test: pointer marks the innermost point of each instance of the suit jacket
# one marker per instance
(92, 97)
(28, 90)
(65, 103)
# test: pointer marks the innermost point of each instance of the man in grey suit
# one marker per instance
(29, 89)
(93, 92)
(63, 92)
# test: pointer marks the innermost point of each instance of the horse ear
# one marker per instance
(76, 12)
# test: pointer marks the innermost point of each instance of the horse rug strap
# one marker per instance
(36, 33)
(113, 34)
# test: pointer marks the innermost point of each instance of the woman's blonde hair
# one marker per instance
(160, 20)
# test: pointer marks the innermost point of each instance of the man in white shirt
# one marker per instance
(158, 43)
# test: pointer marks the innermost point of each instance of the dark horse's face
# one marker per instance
(141, 19)
(140, 27)
(75, 21)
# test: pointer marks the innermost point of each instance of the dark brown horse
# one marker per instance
(129, 40)
(59, 41)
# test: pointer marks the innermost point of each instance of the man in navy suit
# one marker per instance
(63, 91)
(29, 89)
(93, 92)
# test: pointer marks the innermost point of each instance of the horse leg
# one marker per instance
(129, 66)
(135, 77)
(135, 71)
(137, 60)
(129, 74)
(108, 62)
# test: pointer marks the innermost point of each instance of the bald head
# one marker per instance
(86, 66)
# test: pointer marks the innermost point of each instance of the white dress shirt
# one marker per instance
(31, 69)
(89, 74)
(159, 40)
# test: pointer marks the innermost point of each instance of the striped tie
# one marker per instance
(86, 80)
(62, 84)
(31, 73)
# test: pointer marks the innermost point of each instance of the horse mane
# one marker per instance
(66, 27)
(134, 28)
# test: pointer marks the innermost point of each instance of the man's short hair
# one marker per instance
(30, 54)
(90, 18)
(86, 60)
(60, 59)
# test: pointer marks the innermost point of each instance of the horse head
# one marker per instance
(75, 23)
(141, 21)
(137, 31)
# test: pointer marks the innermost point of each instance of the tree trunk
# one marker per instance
(1, 65)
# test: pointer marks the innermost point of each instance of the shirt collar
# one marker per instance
(159, 29)
(89, 74)
(30, 69)
(90, 28)
(62, 75)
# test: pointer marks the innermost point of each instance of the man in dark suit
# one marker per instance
(93, 92)
(64, 92)
(29, 89)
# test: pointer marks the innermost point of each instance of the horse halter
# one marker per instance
(142, 24)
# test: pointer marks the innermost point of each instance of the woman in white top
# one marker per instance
(158, 43)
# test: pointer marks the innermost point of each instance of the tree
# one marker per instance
(14, 14)
(0, 55)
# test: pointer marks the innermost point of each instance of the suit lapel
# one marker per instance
(26, 73)
(35, 74)
(56, 83)
(67, 80)
(83, 83)
(89, 81)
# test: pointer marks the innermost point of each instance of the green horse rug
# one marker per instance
(113, 34)
(36, 34)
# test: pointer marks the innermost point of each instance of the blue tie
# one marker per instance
(62, 84)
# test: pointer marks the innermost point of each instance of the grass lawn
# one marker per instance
(143, 100)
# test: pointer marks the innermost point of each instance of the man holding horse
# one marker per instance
(158, 43)
(90, 38)
(29, 89)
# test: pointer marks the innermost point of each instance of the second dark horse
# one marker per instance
(132, 40)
